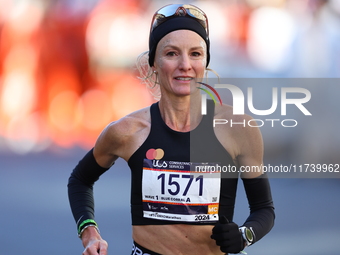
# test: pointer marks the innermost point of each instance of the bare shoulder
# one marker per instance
(130, 124)
(122, 137)
(236, 124)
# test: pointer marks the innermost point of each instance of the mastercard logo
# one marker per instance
(154, 154)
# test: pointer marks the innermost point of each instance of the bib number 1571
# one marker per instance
(174, 182)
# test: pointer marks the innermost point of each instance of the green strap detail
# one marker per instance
(84, 223)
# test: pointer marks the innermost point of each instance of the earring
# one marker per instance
(156, 80)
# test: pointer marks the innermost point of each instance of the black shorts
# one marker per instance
(140, 250)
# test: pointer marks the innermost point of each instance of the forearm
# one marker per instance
(262, 215)
(81, 200)
(261, 222)
(80, 189)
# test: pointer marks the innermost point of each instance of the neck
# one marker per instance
(182, 114)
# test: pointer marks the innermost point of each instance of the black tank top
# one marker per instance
(198, 145)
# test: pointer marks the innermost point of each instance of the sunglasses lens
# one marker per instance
(169, 10)
(196, 12)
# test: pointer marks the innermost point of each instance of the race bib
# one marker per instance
(174, 191)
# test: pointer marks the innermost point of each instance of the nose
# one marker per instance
(185, 63)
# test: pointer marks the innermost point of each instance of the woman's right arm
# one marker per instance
(118, 139)
(80, 191)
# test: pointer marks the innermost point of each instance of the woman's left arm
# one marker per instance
(256, 183)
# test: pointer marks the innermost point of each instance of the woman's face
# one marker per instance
(180, 62)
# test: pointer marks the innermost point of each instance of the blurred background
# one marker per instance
(67, 70)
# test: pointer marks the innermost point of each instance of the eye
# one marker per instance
(196, 54)
(171, 53)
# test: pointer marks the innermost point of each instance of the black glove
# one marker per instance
(228, 236)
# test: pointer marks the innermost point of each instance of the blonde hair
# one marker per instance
(147, 76)
(150, 78)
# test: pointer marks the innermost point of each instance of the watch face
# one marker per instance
(249, 235)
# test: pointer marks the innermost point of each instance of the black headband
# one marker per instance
(173, 24)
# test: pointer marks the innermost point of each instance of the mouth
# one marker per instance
(184, 78)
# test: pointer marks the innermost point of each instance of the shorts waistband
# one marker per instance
(140, 250)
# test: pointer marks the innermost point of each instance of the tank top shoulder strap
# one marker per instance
(157, 124)
(210, 110)
(207, 120)
(155, 113)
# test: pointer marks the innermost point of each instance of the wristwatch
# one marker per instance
(247, 234)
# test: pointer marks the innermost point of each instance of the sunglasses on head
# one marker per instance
(169, 11)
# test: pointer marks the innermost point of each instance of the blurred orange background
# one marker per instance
(67, 67)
